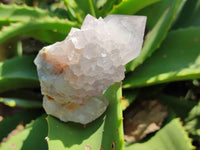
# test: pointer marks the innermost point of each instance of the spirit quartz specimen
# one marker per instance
(73, 73)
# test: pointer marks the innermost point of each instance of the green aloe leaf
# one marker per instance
(47, 36)
(10, 48)
(130, 7)
(160, 17)
(105, 132)
(100, 3)
(87, 6)
(128, 97)
(5, 22)
(192, 122)
(177, 59)
(22, 13)
(106, 6)
(191, 11)
(27, 16)
(171, 137)
(31, 138)
(19, 72)
(188, 110)
(74, 11)
(9, 123)
(59, 26)
(17, 102)
(78, 9)
(180, 106)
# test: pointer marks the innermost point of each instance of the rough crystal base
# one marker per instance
(92, 108)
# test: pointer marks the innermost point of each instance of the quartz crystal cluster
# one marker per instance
(73, 73)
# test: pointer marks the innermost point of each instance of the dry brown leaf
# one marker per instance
(143, 119)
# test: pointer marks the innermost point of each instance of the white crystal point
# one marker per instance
(129, 34)
(73, 73)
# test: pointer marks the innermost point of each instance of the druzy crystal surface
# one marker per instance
(73, 73)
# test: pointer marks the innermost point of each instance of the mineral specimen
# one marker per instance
(73, 73)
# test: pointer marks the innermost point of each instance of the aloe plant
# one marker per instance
(167, 69)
